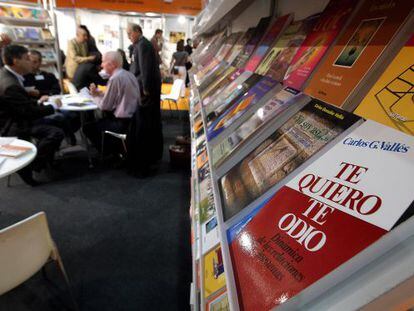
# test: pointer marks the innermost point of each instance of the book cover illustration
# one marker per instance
(365, 39)
(347, 197)
(317, 42)
(218, 302)
(202, 157)
(249, 48)
(212, 76)
(199, 76)
(278, 59)
(277, 27)
(230, 96)
(214, 278)
(391, 100)
(225, 49)
(219, 81)
(221, 87)
(252, 97)
(27, 33)
(203, 172)
(206, 200)
(287, 148)
(238, 47)
(275, 106)
(210, 234)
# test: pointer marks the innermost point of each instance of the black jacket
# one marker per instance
(86, 74)
(45, 82)
(17, 108)
(145, 67)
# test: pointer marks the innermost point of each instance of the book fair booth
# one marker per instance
(302, 141)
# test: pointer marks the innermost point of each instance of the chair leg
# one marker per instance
(124, 145)
(102, 146)
(61, 267)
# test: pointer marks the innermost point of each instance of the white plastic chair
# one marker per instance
(71, 87)
(25, 248)
(174, 94)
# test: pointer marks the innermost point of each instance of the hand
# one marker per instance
(146, 93)
(43, 99)
(91, 58)
(4, 40)
(58, 102)
(34, 93)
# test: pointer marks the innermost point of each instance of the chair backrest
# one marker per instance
(176, 89)
(24, 248)
(71, 87)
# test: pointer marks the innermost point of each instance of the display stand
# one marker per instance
(30, 25)
(351, 286)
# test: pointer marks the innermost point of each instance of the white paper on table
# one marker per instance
(6, 140)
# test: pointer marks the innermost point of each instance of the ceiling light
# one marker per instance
(181, 19)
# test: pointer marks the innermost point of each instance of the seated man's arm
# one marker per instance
(19, 105)
(110, 99)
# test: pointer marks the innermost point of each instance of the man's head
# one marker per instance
(81, 35)
(111, 61)
(134, 32)
(158, 33)
(189, 42)
(17, 58)
(36, 60)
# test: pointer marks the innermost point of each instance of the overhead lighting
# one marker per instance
(181, 19)
(151, 14)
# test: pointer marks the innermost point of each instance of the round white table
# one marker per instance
(81, 104)
(12, 165)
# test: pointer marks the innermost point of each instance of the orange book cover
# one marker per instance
(391, 100)
(356, 51)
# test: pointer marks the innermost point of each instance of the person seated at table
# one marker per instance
(88, 73)
(118, 102)
(22, 112)
(44, 83)
(39, 83)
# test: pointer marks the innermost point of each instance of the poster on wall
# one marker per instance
(176, 36)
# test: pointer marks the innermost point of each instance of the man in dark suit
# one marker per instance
(145, 66)
(20, 111)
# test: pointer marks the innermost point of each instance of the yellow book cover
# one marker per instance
(214, 278)
(391, 100)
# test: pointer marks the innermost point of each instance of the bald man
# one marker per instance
(77, 52)
(118, 102)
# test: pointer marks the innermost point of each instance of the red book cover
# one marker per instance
(318, 42)
(327, 214)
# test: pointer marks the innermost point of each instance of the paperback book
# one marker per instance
(279, 57)
(275, 30)
(274, 107)
(249, 48)
(249, 99)
(318, 41)
(346, 197)
(391, 100)
(238, 47)
(287, 148)
(353, 62)
(214, 277)
(231, 95)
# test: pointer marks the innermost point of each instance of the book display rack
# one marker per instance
(302, 156)
(30, 25)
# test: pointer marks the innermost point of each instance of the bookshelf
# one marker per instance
(368, 274)
(30, 25)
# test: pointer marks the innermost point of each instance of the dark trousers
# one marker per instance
(94, 131)
(68, 121)
(48, 142)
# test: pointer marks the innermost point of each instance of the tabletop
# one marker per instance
(74, 102)
(12, 165)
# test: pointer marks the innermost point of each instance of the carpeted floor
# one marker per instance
(125, 242)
